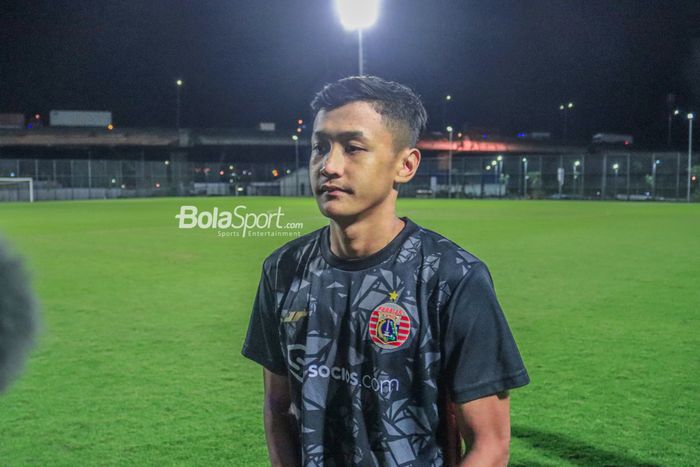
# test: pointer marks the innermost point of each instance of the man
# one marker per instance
(371, 328)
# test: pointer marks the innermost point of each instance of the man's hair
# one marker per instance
(397, 104)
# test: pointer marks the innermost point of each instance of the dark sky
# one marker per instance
(508, 64)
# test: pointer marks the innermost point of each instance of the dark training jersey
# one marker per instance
(372, 346)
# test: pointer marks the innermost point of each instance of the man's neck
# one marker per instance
(365, 235)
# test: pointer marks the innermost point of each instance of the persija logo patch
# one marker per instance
(389, 326)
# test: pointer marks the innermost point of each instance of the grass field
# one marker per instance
(139, 362)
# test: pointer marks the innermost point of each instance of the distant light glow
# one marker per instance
(676, 112)
(166, 162)
(577, 163)
(295, 137)
(275, 172)
(179, 82)
(499, 158)
(157, 185)
(448, 97)
(521, 135)
(300, 121)
(494, 163)
(691, 116)
(110, 127)
(357, 14)
(570, 105)
(449, 129)
(524, 159)
(221, 172)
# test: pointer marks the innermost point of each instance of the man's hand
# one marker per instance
(280, 425)
(485, 425)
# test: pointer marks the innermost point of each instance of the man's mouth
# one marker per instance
(333, 189)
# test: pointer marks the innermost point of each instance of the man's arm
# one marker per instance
(485, 425)
(280, 425)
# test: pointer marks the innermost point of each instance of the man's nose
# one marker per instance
(334, 162)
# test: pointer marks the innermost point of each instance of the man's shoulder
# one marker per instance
(292, 252)
(453, 259)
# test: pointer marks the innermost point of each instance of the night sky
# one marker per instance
(507, 64)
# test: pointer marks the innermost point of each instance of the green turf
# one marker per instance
(139, 362)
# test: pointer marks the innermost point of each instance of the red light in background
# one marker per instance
(275, 173)
(693, 178)
(157, 185)
(300, 121)
(221, 172)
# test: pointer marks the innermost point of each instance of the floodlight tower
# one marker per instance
(358, 15)
(178, 84)
(691, 117)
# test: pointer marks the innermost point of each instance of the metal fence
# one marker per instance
(607, 175)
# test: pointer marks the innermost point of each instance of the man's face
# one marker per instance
(355, 149)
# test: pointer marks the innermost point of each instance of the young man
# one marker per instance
(373, 328)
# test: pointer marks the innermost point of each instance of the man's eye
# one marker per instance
(352, 149)
(319, 148)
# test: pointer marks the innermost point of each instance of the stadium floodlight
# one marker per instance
(358, 15)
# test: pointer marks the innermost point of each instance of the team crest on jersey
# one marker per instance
(389, 325)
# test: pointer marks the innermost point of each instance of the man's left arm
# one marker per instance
(485, 424)
(483, 363)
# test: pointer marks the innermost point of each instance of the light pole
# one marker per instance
(358, 15)
(500, 174)
(295, 138)
(566, 108)
(449, 164)
(653, 178)
(616, 168)
(670, 122)
(494, 164)
(525, 177)
(576, 166)
(178, 84)
(445, 101)
(691, 117)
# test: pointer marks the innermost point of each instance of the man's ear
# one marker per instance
(408, 162)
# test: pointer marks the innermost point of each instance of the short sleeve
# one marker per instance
(481, 357)
(262, 343)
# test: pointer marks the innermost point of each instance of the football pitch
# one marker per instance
(139, 360)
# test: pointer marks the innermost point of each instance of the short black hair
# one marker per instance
(395, 102)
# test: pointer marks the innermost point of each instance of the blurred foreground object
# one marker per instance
(19, 316)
